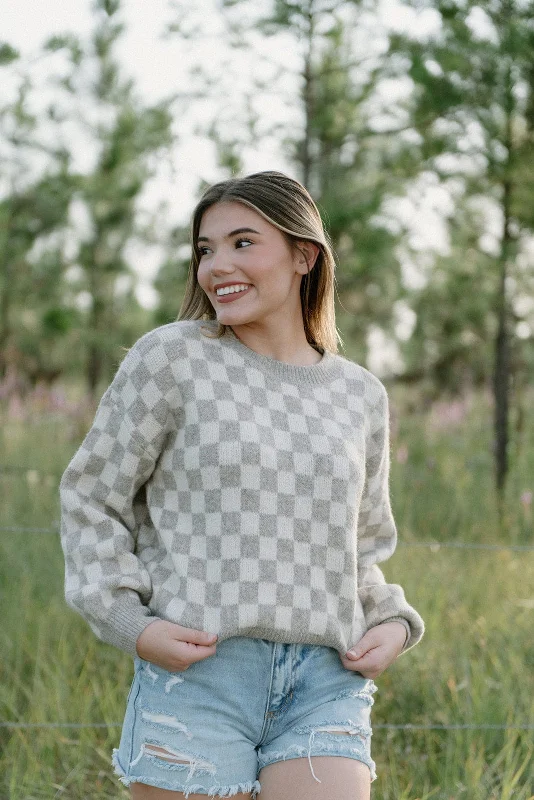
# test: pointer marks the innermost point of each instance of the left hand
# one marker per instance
(376, 650)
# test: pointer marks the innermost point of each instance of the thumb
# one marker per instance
(358, 650)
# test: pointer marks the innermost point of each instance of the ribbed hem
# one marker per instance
(326, 370)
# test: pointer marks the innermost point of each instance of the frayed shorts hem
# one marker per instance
(159, 783)
(302, 752)
(246, 786)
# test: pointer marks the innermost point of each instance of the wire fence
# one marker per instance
(407, 726)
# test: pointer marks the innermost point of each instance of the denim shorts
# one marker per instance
(211, 728)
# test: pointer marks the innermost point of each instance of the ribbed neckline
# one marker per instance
(324, 371)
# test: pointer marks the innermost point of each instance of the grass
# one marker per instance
(474, 666)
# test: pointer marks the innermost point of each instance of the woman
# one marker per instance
(223, 520)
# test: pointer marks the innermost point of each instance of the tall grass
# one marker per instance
(475, 664)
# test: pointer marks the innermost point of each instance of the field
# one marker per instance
(474, 667)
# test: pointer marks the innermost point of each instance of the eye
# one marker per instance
(202, 249)
(239, 241)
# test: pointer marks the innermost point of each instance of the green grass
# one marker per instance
(475, 664)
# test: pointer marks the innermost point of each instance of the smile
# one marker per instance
(232, 295)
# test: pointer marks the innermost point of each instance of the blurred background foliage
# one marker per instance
(68, 302)
(372, 123)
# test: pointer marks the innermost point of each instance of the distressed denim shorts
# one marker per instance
(211, 728)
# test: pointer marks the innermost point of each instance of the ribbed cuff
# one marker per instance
(382, 602)
(128, 622)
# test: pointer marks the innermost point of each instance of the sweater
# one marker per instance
(230, 492)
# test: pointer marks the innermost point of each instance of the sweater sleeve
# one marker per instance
(100, 491)
(377, 533)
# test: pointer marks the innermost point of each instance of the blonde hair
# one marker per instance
(286, 204)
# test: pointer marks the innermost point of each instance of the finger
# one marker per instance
(355, 653)
(367, 674)
(181, 654)
(196, 652)
(358, 665)
(195, 637)
(372, 662)
(361, 669)
(362, 649)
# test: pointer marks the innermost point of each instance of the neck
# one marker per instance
(291, 349)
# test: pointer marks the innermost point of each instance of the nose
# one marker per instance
(221, 264)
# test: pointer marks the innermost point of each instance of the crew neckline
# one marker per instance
(321, 372)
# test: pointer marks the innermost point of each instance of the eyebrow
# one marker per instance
(229, 235)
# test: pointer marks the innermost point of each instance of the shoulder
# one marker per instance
(169, 334)
(164, 343)
(369, 386)
(152, 362)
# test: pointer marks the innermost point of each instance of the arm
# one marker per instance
(377, 533)
(105, 581)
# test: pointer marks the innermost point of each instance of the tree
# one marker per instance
(130, 140)
(473, 106)
(347, 163)
(129, 143)
(32, 207)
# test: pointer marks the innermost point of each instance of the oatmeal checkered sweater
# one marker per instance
(230, 492)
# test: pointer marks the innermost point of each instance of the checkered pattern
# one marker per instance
(230, 492)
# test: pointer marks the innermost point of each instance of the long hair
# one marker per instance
(286, 204)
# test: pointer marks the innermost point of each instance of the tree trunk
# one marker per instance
(501, 376)
(96, 329)
(4, 322)
(308, 102)
(501, 381)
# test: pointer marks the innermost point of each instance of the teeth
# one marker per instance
(231, 289)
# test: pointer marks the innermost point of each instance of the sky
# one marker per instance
(159, 65)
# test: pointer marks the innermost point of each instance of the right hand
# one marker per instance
(174, 647)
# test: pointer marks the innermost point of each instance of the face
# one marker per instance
(259, 258)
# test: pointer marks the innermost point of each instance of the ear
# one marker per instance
(307, 253)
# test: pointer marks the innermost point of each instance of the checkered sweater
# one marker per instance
(230, 492)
